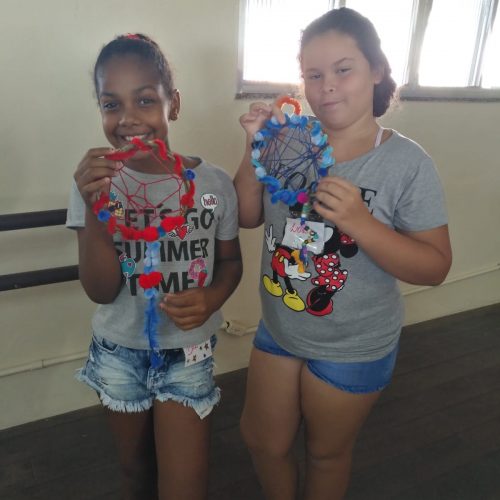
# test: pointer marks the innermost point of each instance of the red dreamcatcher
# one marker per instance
(177, 187)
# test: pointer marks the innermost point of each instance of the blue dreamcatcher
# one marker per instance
(291, 162)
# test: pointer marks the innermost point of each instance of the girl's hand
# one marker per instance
(93, 174)
(258, 114)
(190, 308)
(340, 202)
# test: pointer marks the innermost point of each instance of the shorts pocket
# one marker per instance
(104, 344)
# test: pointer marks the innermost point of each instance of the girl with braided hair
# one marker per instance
(142, 218)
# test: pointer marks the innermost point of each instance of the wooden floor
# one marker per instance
(434, 435)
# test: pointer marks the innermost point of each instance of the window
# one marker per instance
(438, 49)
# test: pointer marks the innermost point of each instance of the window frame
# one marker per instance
(410, 91)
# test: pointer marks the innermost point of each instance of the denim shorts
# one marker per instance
(126, 382)
(357, 378)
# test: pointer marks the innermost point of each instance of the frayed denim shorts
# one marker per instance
(357, 378)
(126, 382)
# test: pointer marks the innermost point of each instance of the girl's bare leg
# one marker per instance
(333, 419)
(134, 437)
(270, 421)
(182, 448)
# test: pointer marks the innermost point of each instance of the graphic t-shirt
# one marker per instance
(342, 306)
(186, 253)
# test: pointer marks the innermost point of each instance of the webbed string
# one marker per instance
(291, 164)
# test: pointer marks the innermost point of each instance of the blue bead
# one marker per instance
(292, 199)
(316, 128)
(285, 196)
(260, 172)
(189, 174)
(103, 215)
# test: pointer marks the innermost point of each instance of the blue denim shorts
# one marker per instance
(126, 382)
(358, 378)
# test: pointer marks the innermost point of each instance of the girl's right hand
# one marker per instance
(93, 174)
(258, 114)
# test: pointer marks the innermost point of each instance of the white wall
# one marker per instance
(49, 119)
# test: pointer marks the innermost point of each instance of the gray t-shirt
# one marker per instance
(184, 253)
(342, 306)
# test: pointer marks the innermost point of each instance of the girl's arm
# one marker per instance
(228, 269)
(248, 188)
(419, 258)
(98, 264)
(192, 307)
(99, 267)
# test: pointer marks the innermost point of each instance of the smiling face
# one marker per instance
(133, 102)
(338, 80)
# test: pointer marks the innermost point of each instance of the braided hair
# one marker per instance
(141, 46)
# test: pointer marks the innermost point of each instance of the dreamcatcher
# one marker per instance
(178, 188)
(291, 162)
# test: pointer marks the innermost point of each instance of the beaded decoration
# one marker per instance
(108, 210)
(290, 165)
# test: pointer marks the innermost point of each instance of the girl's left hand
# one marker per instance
(189, 308)
(339, 201)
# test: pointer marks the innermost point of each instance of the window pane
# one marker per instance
(491, 62)
(272, 36)
(392, 20)
(449, 43)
